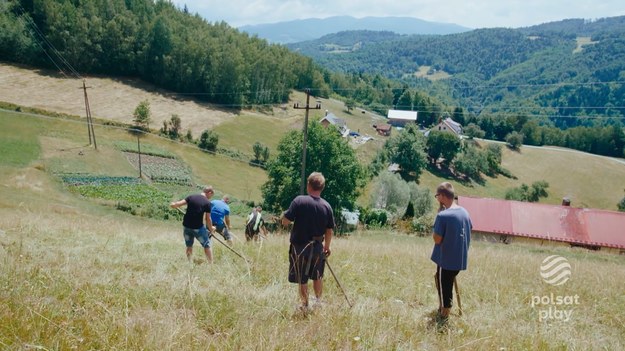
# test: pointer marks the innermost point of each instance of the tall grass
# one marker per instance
(74, 275)
(108, 281)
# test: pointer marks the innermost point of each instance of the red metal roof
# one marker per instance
(549, 222)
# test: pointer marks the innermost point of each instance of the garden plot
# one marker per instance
(161, 169)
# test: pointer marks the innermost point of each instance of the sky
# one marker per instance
(467, 13)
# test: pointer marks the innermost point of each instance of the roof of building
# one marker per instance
(330, 117)
(403, 115)
(548, 222)
(455, 126)
(383, 127)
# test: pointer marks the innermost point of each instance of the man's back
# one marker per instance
(454, 226)
(219, 211)
(312, 216)
(197, 205)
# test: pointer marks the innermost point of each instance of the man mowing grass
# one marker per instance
(198, 210)
(452, 236)
(310, 238)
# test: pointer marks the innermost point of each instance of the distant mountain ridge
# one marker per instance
(558, 70)
(313, 28)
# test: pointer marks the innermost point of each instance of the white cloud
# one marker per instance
(469, 13)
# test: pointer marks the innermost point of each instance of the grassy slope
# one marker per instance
(77, 275)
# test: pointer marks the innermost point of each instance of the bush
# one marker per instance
(208, 140)
(375, 217)
(423, 225)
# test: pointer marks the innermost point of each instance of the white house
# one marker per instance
(401, 117)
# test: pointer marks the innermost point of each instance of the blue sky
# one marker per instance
(468, 13)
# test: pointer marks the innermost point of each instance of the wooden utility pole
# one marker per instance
(307, 108)
(89, 119)
(139, 149)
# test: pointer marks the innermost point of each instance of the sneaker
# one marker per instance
(317, 303)
(303, 309)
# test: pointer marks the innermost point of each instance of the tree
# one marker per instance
(405, 101)
(407, 149)
(458, 115)
(142, 116)
(470, 162)
(474, 131)
(208, 140)
(172, 128)
(422, 200)
(265, 155)
(390, 193)
(621, 205)
(514, 140)
(442, 144)
(527, 193)
(327, 153)
(258, 150)
(493, 158)
(350, 104)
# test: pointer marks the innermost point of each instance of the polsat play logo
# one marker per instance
(555, 270)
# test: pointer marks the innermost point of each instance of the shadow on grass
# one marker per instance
(442, 171)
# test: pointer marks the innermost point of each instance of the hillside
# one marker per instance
(77, 275)
(241, 131)
(313, 28)
(554, 71)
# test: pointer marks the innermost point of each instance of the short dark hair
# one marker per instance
(447, 190)
(317, 181)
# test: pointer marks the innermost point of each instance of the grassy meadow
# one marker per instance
(76, 275)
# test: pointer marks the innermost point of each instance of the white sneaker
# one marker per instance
(317, 303)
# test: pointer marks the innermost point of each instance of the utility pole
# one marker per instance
(307, 108)
(89, 119)
(139, 149)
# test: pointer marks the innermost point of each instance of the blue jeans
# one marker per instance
(200, 234)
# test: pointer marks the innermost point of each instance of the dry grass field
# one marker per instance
(75, 276)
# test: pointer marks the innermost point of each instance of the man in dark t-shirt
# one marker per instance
(310, 238)
(198, 210)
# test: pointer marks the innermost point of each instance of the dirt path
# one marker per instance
(112, 99)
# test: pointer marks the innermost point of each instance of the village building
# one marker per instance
(448, 125)
(400, 118)
(383, 129)
(339, 123)
(515, 221)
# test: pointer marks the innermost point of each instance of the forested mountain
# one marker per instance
(313, 28)
(572, 68)
(157, 42)
(528, 81)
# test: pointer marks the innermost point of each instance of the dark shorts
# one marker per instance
(200, 234)
(223, 230)
(306, 262)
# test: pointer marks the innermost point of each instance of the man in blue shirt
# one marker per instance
(452, 236)
(220, 216)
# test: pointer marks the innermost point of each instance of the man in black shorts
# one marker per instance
(310, 238)
(198, 209)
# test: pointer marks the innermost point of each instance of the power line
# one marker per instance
(31, 23)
